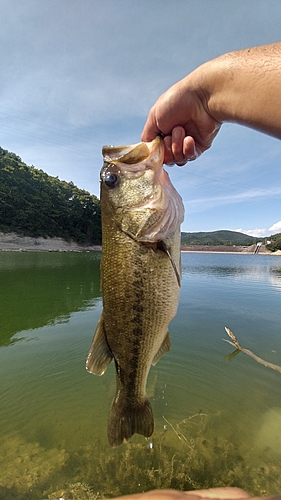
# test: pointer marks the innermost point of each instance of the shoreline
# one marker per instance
(226, 253)
(226, 249)
(13, 242)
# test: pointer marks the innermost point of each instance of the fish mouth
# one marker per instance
(132, 160)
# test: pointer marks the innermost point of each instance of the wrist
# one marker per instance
(244, 87)
(213, 87)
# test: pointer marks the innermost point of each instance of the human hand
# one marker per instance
(182, 116)
(226, 493)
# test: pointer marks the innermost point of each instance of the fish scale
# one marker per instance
(140, 280)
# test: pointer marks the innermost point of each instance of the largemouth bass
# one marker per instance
(140, 276)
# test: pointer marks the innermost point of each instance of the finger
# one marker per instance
(168, 155)
(178, 134)
(224, 493)
(190, 150)
(155, 495)
(150, 129)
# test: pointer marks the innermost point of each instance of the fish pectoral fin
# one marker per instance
(99, 356)
(165, 347)
(161, 245)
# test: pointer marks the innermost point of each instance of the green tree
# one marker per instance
(275, 242)
(36, 204)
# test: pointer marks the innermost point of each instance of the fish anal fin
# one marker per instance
(165, 347)
(99, 356)
(161, 245)
(126, 419)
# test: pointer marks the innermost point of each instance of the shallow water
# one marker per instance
(217, 420)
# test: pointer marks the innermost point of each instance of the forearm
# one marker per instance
(244, 87)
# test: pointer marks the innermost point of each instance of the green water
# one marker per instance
(217, 421)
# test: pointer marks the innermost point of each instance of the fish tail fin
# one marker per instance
(128, 418)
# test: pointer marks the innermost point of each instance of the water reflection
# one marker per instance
(253, 267)
(275, 277)
(37, 289)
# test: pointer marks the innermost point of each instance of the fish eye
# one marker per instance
(110, 175)
(111, 179)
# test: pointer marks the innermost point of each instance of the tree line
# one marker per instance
(275, 242)
(34, 203)
(214, 238)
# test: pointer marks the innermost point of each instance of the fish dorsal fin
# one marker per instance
(165, 347)
(162, 246)
(126, 154)
(100, 355)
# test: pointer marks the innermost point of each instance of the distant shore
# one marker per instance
(235, 250)
(12, 242)
(231, 249)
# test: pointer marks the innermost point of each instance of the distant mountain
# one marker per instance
(217, 238)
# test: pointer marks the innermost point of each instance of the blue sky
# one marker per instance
(78, 74)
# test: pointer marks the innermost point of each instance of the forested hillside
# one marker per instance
(275, 242)
(35, 204)
(222, 237)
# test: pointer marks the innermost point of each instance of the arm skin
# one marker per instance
(242, 87)
(227, 493)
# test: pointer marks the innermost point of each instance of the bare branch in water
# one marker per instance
(178, 431)
(236, 344)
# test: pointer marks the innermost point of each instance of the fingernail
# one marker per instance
(177, 134)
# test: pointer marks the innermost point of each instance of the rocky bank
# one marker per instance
(14, 242)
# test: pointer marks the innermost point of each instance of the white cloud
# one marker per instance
(259, 233)
(276, 228)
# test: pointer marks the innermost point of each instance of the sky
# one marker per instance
(78, 74)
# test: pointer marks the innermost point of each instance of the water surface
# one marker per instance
(217, 418)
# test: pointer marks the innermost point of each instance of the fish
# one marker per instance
(141, 215)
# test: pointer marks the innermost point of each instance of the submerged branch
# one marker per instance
(236, 344)
(180, 436)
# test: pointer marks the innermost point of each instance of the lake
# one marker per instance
(217, 414)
